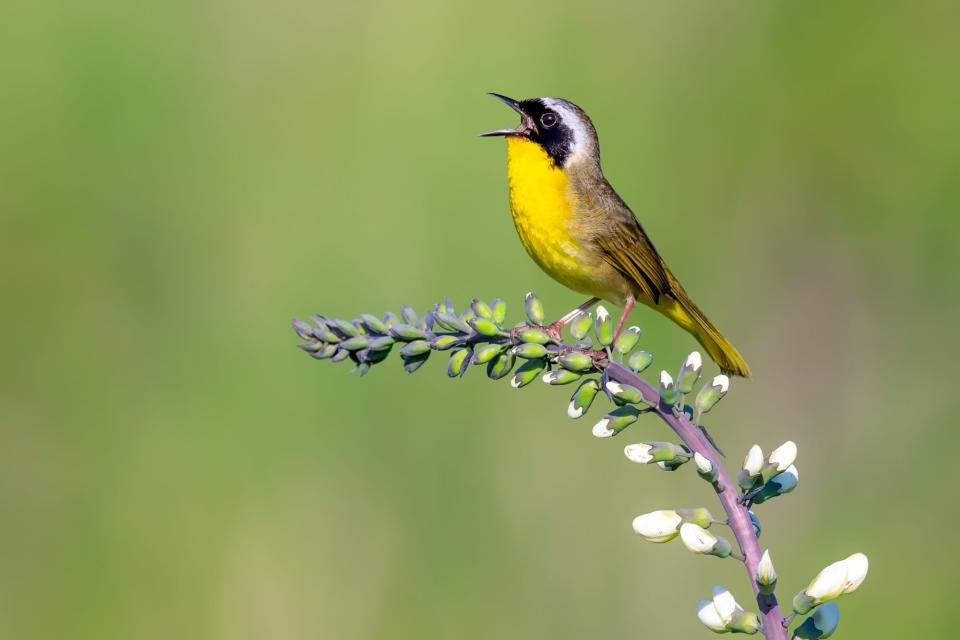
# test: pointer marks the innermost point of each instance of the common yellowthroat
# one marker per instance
(575, 226)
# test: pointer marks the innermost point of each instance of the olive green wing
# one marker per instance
(628, 250)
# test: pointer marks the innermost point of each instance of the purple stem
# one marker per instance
(737, 514)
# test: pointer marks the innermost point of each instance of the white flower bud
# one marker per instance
(707, 613)
(766, 574)
(689, 373)
(704, 466)
(602, 429)
(668, 392)
(843, 576)
(712, 393)
(639, 453)
(658, 526)
(725, 604)
(753, 463)
(696, 538)
(783, 456)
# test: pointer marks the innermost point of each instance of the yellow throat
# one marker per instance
(542, 205)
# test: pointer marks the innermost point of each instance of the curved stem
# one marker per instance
(737, 514)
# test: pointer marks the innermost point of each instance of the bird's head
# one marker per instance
(562, 128)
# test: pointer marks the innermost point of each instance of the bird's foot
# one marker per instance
(554, 330)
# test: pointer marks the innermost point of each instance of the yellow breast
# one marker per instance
(543, 212)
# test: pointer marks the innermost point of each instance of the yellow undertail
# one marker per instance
(681, 309)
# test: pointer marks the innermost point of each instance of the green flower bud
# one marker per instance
(626, 393)
(820, 625)
(627, 340)
(323, 332)
(303, 329)
(356, 343)
(407, 332)
(639, 361)
(534, 308)
(326, 351)
(346, 329)
(340, 355)
(484, 353)
(481, 309)
(575, 361)
(499, 310)
(689, 373)
(415, 348)
(712, 393)
(530, 350)
(451, 322)
(501, 365)
(412, 363)
(382, 343)
(582, 398)
(581, 325)
(409, 315)
(390, 319)
(373, 356)
(560, 376)
(647, 452)
(528, 372)
(444, 342)
(312, 347)
(604, 326)
(668, 391)
(744, 622)
(484, 327)
(457, 365)
(616, 421)
(537, 336)
(373, 324)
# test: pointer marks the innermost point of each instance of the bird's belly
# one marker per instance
(544, 214)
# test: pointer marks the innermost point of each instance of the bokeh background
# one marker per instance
(180, 179)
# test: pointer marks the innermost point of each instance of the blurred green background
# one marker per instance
(178, 180)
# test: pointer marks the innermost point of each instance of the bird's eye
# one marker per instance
(548, 119)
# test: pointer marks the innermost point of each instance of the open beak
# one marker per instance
(525, 127)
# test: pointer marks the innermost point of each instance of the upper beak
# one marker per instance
(526, 123)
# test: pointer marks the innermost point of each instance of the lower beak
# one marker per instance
(526, 123)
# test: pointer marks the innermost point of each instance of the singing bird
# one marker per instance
(581, 233)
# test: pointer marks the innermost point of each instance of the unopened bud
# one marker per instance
(560, 376)
(699, 540)
(627, 340)
(530, 350)
(457, 365)
(639, 361)
(705, 468)
(527, 372)
(604, 326)
(501, 365)
(582, 398)
(484, 353)
(374, 324)
(412, 363)
(766, 574)
(580, 326)
(689, 373)
(355, 343)
(484, 326)
(663, 526)
(576, 361)
(409, 315)
(534, 308)
(778, 485)
(668, 391)
(444, 342)
(407, 332)
(712, 393)
(537, 336)
(820, 625)
(749, 475)
(481, 309)
(837, 579)
(616, 421)
(499, 309)
(647, 452)
(627, 393)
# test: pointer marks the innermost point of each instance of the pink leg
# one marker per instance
(627, 307)
(573, 314)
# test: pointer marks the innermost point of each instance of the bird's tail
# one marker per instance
(686, 314)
